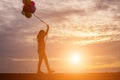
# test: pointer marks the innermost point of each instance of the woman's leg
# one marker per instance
(46, 62)
(39, 64)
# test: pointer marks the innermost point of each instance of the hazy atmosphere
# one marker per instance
(89, 29)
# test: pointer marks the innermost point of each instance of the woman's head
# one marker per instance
(41, 34)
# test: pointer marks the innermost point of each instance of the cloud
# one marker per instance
(16, 28)
(109, 67)
(61, 15)
(107, 4)
(111, 6)
(116, 17)
(101, 5)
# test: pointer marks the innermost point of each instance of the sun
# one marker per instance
(75, 59)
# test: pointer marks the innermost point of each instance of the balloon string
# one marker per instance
(40, 19)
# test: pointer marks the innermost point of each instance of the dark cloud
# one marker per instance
(14, 29)
(116, 17)
(9, 66)
(101, 5)
(107, 4)
(12, 39)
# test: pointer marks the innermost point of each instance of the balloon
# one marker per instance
(32, 7)
(26, 1)
(28, 8)
(32, 3)
(28, 15)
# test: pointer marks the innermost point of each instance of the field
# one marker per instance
(60, 76)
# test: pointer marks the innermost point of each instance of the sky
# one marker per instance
(89, 28)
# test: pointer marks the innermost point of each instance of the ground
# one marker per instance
(60, 76)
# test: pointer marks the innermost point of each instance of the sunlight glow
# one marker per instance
(75, 59)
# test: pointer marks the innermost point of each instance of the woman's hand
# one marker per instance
(47, 26)
(47, 30)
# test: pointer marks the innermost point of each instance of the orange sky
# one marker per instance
(89, 27)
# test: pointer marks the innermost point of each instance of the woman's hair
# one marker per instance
(41, 33)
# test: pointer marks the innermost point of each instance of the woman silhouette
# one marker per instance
(41, 49)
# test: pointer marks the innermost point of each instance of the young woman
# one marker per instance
(41, 49)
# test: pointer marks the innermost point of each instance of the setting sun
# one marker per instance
(75, 59)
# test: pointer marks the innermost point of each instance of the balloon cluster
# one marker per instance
(28, 8)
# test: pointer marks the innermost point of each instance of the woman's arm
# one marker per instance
(47, 30)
